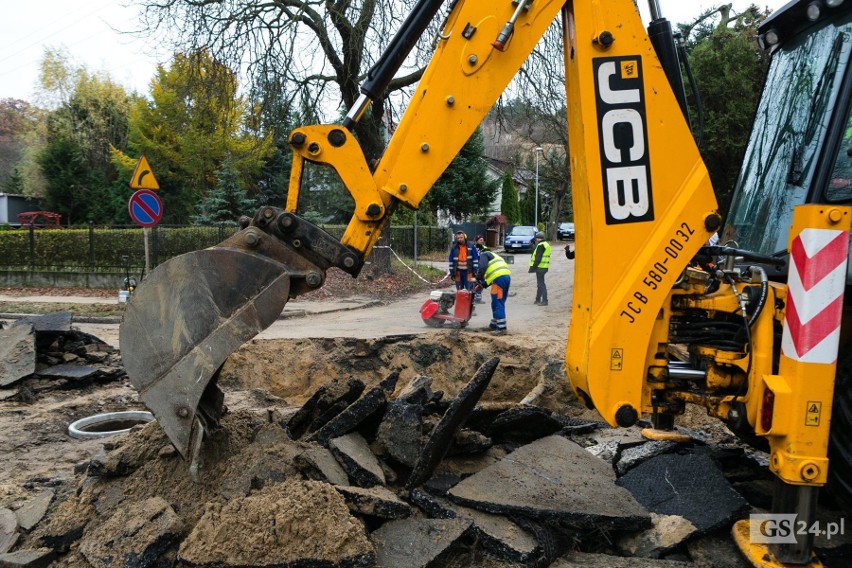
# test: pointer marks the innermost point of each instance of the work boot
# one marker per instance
(537, 303)
(541, 303)
(498, 332)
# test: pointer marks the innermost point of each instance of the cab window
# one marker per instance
(840, 181)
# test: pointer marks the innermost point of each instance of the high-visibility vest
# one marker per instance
(545, 256)
(471, 262)
(496, 268)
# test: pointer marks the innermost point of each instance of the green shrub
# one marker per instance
(109, 249)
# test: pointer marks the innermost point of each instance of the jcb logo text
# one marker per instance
(623, 139)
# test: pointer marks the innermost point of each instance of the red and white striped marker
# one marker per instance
(816, 282)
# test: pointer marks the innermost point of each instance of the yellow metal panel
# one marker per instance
(631, 245)
(804, 387)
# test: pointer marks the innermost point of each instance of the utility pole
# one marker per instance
(538, 150)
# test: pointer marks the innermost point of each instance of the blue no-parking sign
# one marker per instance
(145, 208)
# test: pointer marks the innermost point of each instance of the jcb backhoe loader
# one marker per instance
(755, 339)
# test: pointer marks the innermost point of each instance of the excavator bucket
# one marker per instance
(194, 310)
(181, 325)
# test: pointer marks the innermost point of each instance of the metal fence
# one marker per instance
(119, 248)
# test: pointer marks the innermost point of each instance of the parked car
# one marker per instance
(520, 239)
(565, 231)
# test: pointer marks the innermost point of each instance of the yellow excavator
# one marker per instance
(754, 330)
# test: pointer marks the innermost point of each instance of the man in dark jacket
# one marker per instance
(462, 262)
(539, 263)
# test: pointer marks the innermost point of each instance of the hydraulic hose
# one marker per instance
(381, 74)
(693, 86)
(764, 293)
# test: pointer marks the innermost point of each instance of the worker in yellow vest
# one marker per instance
(494, 272)
(539, 263)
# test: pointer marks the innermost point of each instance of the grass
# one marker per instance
(400, 282)
(39, 308)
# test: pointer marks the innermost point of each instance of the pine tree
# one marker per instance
(226, 203)
(14, 183)
(527, 208)
(463, 189)
(509, 206)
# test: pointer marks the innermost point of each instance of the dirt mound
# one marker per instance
(293, 370)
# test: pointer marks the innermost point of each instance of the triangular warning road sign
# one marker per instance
(143, 177)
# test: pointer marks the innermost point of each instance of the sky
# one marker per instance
(95, 35)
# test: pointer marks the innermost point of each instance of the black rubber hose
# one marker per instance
(764, 293)
(693, 86)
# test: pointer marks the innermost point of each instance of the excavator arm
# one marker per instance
(642, 200)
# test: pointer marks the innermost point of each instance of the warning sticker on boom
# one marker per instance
(813, 411)
(616, 359)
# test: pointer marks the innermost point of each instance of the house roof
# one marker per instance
(519, 175)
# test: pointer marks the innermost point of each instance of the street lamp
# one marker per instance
(538, 150)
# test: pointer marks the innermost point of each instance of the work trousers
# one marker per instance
(541, 287)
(462, 282)
(499, 293)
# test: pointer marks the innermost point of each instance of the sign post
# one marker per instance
(145, 207)
(146, 210)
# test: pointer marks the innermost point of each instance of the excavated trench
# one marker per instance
(405, 451)
(293, 369)
(131, 500)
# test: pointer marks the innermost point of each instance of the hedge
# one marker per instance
(112, 249)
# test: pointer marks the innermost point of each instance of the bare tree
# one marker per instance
(311, 54)
(539, 118)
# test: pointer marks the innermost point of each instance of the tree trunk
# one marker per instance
(380, 258)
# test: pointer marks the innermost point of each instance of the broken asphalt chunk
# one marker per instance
(319, 464)
(135, 535)
(607, 451)
(400, 431)
(417, 543)
(353, 453)
(625, 437)
(324, 398)
(553, 478)
(358, 411)
(38, 558)
(442, 436)
(8, 530)
(67, 371)
(689, 486)
(307, 520)
(57, 322)
(524, 424)
(17, 354)
(34, 509)
(498, 534)
(417, 391)
(375, 501)
(633, 456)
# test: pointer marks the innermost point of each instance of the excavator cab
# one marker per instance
(799, 151)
